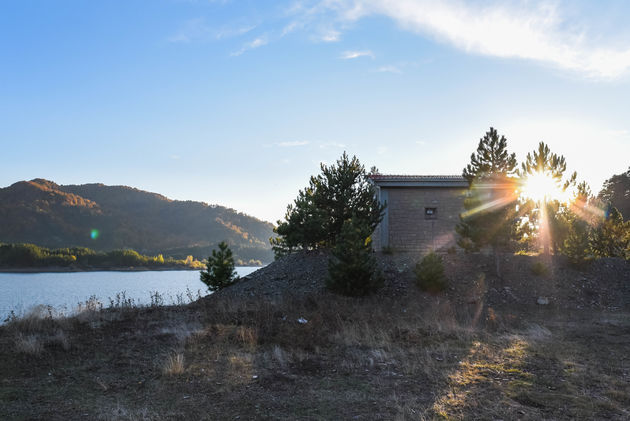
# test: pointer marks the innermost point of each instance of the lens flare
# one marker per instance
(541, 187)
(94, 234)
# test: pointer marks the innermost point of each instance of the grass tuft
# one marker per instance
(174, 365)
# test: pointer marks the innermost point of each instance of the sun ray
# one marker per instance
(544, 187)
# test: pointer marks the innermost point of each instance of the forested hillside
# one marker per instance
(113, 217)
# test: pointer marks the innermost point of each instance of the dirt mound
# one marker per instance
(296, 274)
(524, 280)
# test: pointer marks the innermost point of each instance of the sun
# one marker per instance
(541, 187)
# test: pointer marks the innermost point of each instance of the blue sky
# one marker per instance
(237, 102)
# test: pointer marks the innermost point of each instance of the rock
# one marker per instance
(543, 301)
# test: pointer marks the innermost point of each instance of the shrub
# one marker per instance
(430, 273)
(219, 272)
(352, 269)
(612, 237)
(576, 245)
(540, 269)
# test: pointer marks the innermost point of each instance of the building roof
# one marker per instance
(390, 180)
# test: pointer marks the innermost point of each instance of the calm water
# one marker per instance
(22, 291)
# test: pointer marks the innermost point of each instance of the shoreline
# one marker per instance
(117, 269)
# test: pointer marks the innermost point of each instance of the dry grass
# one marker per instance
(412, 358)
(29, 344)
(35, 343)
(174, 365)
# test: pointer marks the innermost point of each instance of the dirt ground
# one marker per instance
(278, 346)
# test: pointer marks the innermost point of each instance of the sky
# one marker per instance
(238, 102)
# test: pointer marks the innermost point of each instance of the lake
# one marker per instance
(20, 292)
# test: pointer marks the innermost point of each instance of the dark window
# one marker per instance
(430, 213)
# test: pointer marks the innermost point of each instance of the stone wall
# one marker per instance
(406, 226)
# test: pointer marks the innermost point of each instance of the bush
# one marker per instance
(219, 272)
(430, 273)
(576, 246)
(540, 269)
(352, 270)
(612, 237)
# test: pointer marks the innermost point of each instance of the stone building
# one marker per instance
(421, 211)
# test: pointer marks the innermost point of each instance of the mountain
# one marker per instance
(112, 217)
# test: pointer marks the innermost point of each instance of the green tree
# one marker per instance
(490, 213)
(491, 159)
(352, 269)
(616, 192)
(612, 237)
(430, 273)
(543, 161)
(219, 272)
(576, 244)
(341, 192)
(549, 213)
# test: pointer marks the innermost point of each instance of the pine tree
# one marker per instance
(490, 218)
(616, 192)
(612, 237)
(219, 272)
(342, 191)
(576, 245)
(352, 268)
(490, 159)
(543, 161)
(430, 273)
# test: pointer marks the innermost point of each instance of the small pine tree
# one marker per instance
(219, 272)
(612, 237)
(352, 269)
(576, 245)
(430, 273)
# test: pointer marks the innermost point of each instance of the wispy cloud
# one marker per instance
(328, 145)
(292, 144)
(255, 43)
(291, 27)
(533, 30)
(348, 55)
(329, 35)
(198, 30)
(191, 30)
(390, 68)
(229, 32)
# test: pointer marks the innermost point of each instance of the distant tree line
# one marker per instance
(51, 215)
(32, 256)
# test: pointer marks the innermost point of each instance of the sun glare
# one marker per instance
(541, 187)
